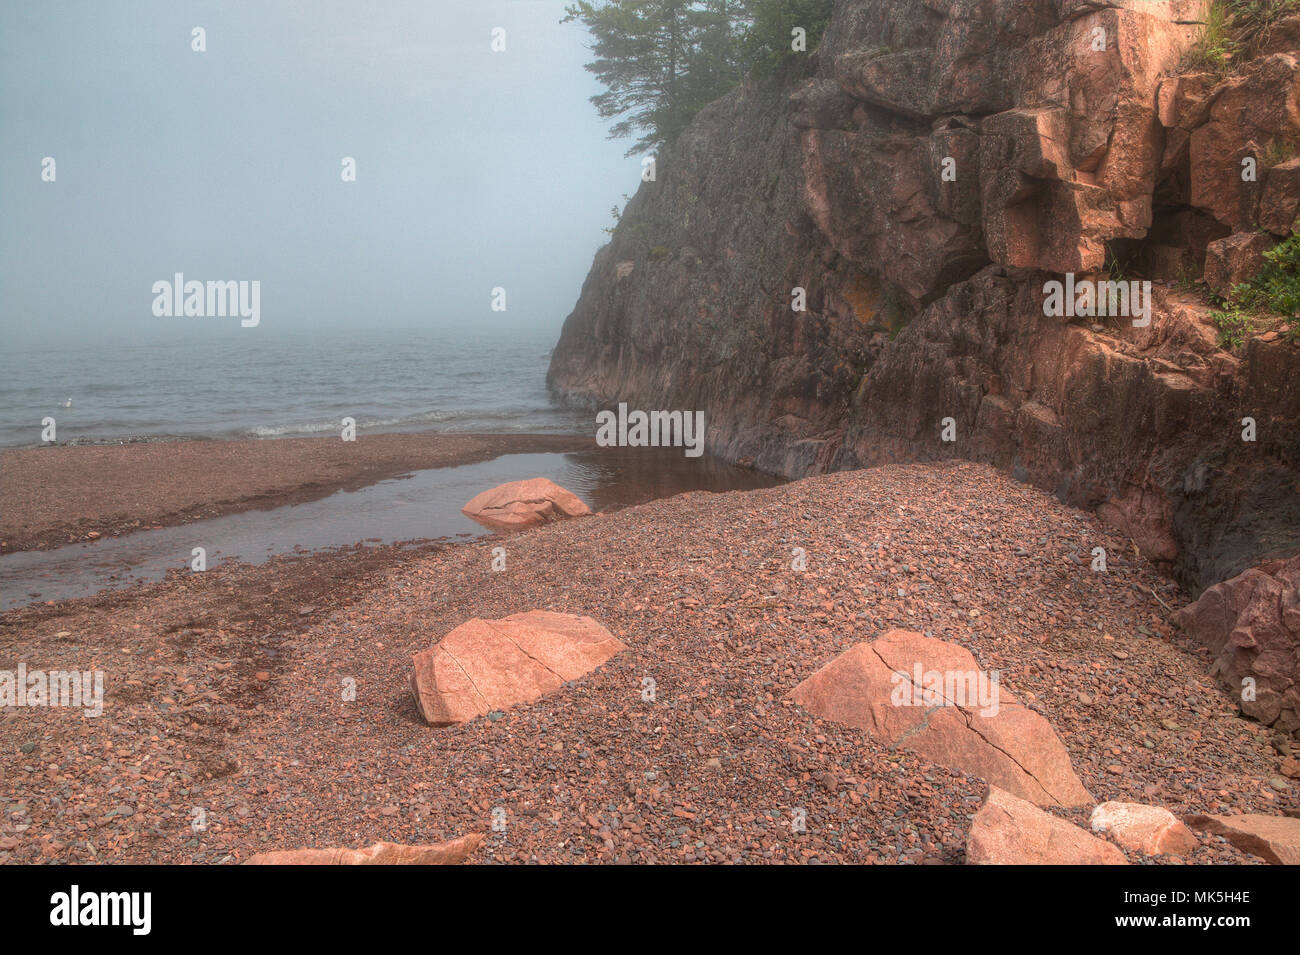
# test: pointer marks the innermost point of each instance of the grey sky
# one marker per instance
(474, 169)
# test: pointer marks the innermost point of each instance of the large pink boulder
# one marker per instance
(1275, 839)
(381, 853)
(1147, 829)
(523, 503)
(1251, 624)
(1010, 831)
(873, 686)
(487, 665)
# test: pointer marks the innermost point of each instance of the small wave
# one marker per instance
(317, 427)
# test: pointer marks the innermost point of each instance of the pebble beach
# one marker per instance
(272, 702)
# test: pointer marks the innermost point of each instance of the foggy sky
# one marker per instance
(474, 169)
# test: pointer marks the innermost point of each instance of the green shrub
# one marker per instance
(1277, 286)
(1233, 28)
(1234, 323)
(1275, 289)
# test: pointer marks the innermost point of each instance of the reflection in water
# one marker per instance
(620, 477)
(423, 505)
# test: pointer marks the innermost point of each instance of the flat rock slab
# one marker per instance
(1147, 829)
(488, 665)
(524, 503)
(1275, 839)
(1010, 831)
(1008, 745)
(381, 853)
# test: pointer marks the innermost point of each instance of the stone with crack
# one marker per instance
(488, 665)
(523, 503)
(1005, 743)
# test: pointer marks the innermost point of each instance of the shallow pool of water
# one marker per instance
(423, 505)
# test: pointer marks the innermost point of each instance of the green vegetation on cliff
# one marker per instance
(1275, 289)
(1233, 28)
(662, 61)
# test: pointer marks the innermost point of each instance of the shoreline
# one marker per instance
(67, 494)
(222, 688)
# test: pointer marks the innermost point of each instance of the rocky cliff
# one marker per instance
(936, 166)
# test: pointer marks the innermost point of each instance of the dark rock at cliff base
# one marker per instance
(1251, 624)
(941, 163)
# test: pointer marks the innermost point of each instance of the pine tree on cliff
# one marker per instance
(660, 61)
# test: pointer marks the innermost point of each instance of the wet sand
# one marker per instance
(51, 496)
(417, 506)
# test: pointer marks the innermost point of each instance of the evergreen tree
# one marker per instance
(662, 61)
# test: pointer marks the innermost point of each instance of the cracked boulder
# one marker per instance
(1010, 831)
(523, 503)
(487, 665)
(930, 696)
(381, 853)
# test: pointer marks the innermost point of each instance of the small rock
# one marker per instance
(1147, 829)
(381, 853)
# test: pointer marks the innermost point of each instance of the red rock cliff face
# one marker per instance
(1069, 130)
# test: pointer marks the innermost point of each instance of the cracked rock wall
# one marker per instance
(925, 292)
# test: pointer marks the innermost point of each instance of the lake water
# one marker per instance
(425, 505)
(268, 384)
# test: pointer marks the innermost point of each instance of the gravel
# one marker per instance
(717, 767)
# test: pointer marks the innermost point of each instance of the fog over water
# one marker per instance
(475, 170)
